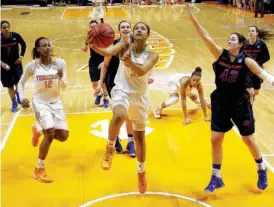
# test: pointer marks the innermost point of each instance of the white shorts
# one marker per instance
(172, 88)
(50, 115)
(98, 12)
(136, 105)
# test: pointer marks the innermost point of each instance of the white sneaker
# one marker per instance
(157, 113)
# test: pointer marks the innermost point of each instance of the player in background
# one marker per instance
(184, 85)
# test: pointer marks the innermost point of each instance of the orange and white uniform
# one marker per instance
(46, 101)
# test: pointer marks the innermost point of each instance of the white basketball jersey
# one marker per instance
(127, 81)
(98, 2)
(175, 79)
(47, 85)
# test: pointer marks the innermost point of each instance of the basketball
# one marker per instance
(102, 35)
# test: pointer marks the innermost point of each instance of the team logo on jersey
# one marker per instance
(258, 46)
(240, 60)
(246, 123)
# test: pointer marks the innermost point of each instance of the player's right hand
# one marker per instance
(97, 89)
(85, 48)
(100, 65)
(6, 66)
(25, 103)
(187, 121)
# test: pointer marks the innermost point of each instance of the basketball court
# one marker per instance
(178, 157)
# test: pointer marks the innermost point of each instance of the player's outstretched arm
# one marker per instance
(257, 70)
(109, 51)
(215, 49)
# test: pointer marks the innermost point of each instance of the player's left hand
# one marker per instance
(207, 118)
(19, 60)
(150, 80)
(59, 74)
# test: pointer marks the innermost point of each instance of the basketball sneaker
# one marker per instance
(131, 149)
(118, 146)
(41, 175)
(262, 179)
(215, 182)
(14, 107)
(98, 100)
(142, 183)
(106, 102)
(157, 113)
(107, 160)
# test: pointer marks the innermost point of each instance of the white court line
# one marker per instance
(39, 8)
(4, 141)
(99, 112)
(79, 7)
(6, 8)
(268, 155)
(76, 113)
(3, 124)
(265, 161)
(62, 17)
(32, 89)
(147, 193)
(81, 68)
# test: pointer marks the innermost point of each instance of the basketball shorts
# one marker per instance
(226, 109)
(137, 106)
(50, 115)
(254, 81)
(98, 12)
(11, 77)
(94, 72)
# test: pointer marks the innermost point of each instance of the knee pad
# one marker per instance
(138, 126)
(172, 100)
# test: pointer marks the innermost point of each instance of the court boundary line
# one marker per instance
(265, 161)
(62, 17)
(3, 124)
(166, 194)
(6, 137)
(268, 155)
